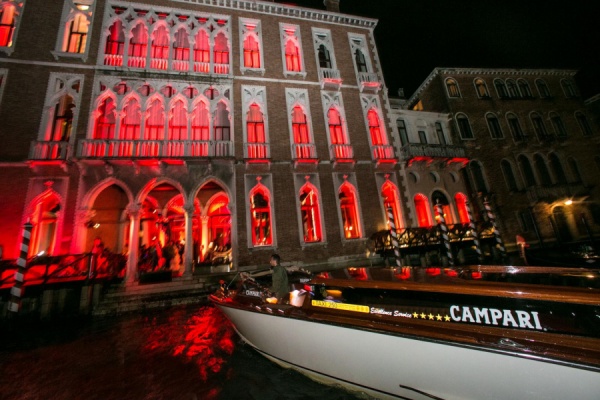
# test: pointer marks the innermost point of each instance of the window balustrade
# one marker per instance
(128, 149)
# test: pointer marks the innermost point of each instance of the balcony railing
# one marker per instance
(369, 81)
(257, 151)
(341, 152)
(48, 150)
(383, 152)
(128, 149)
(330, 78)
(414, 150)
(304, 152)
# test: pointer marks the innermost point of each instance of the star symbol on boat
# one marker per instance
(438, 317)
(431, 316)
(446, 318)
(416, 314)
(423, 316)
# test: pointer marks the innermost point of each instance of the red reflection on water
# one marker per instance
(206, 339)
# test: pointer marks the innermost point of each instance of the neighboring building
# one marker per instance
(235, 127)
(532, 147)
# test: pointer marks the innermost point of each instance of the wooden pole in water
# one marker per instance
(492, 218)
(474, 232)
(16, 292)
(444, 228)
(394, 235)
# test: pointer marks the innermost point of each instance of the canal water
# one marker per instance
(187, 353)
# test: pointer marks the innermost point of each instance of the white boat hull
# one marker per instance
(389, 366)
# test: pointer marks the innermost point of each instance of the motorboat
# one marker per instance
(480, 332)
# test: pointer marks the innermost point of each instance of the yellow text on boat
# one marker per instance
(340, 306)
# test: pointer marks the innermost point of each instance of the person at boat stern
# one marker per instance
(280, 280)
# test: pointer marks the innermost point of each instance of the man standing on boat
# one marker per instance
(280, 279)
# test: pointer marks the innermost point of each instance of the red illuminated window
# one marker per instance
(7, 24)
(300, 126)
(251, 52)
(221, 54)
(292, 57)
(349, 211)
(310, 213)
(155, 121)
(138, 47)
(62, 119)
(336, 131)
(221, 123)
(44, 218)
(201, 52)
(439, 198)
(260, 212)
(255, 125)
(178, 121)
(105, 122)
(115, 43)
(160, 48)
(422, 211)
(461, 205)
(76, 32)
(200, 122)
(389, 193)
(131, 121)
(181, 51)
(377, 136)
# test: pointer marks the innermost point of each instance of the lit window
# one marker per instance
(494, 126)
(201, 52)
(222, 130)
(115, 44)
(349, 211)
(10, 13)
(292, 48)
(159, 50)
(586, 129)
(391, 201)
(461, 206)
(439, 198)
(251, 53)
(310, 214)
(452, 87)
(464, 127)
(542, 88)
(138, 45)
(181, 51)
(251, 38)
(300, 132)
(43, 213)
(255, 130)
(131, 121)
(377, 136)
(104, 128)
(155, 120)
(260, 215)
(221, 54)
(178, 121)
(200, 122)
(422, 211)
(76, 34)
(481, 88)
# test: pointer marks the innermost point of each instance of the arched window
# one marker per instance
(349, 211)
(478, 177)
(159, 51)
(515, 127)
(391, 200)
(310, 214)
(251, 52)
(178, 121)
(513, 90)
(138, 45)
(104, 128)
(260, 215)
(155, 120)
(524, 88)
(557, 169)
(461, 206)
(7, 24)
(221, 124)
(200, 122)
(509, 175)
(501, 88)
(452, 87)
(586, 129)
(361, 61)
(255, 125)
(61, 119)
(300, 126)
(481, 88)
(44, 218)
(181, 50)
(494, 126)
(539, 126)
(559, 126)
(221, 54)
(377, 134)
(292, 57)
(575, 172)
(440, 198)
(131, 120)
(422, 210)
(527, 171)
(75, 36)
(201, 52)
(336, 131)
(115, 45)
(569, 88)
(542, 170)
(401, 124)
(324, 57)
(542, 88)
(464, 127)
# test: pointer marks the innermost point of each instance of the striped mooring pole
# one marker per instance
(474, 231)
(492, 218)
(444, 228)
(394, 235)
(16, 291)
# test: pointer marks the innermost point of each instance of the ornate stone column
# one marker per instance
(188, 253)
(134, 212)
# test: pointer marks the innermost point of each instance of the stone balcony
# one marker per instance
(153, 149)
(41, 150)
(432, 151)
(369, 82)
(330, 78)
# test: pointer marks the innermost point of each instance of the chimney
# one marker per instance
(332, 5)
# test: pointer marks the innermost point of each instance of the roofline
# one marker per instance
(286, 10)
(487, 71)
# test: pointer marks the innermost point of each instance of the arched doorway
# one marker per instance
(109, 220)
(440, 198)
(211, 230)
(43, 215)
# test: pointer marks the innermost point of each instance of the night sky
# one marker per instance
(415, 36)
